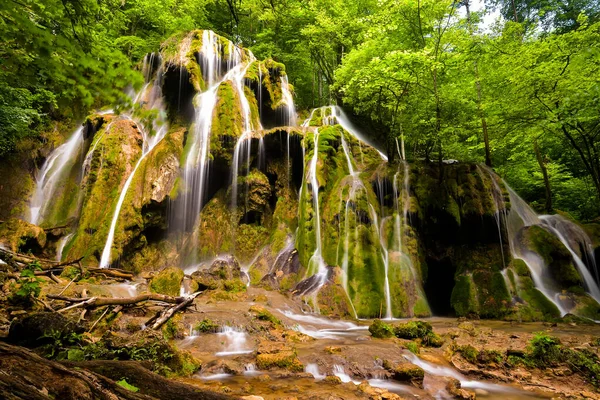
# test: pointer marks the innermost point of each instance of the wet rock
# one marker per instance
(409, 373)
(23, 237)
(453, 387)
(380, 329)
(277, 355)
(168, 281)
(224, 273)
(39, 328)
(222, 367)
(332, 380)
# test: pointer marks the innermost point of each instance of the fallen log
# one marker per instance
(114, 273)
(25, 375)
(93, 302)
(22, 260)
(166, 314)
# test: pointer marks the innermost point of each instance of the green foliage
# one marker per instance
(170, 330)
(123, 383)
(380, 329)
(545, 349)
(28, 285)
(59, 345)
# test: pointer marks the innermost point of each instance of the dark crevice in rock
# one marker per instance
(439, 285)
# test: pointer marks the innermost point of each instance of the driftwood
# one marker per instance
(25, 375)
(165, 315)
(19, 261)
(93, 302)
(22, 260)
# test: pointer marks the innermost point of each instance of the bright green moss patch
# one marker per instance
(167, 281)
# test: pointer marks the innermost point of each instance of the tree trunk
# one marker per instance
(540, 160)
(486, 140)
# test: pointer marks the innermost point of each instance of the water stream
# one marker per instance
(52, 173)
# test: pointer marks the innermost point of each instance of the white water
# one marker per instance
(313, 369)
(339, 371)
(235, 341)
(149, 144)
(51, 173)
(588, 279)
(287, 98)
(343, 120)
(61, 245)
(317, 259)
(290, 114)
(250, 369)
(186, 211)
(244, 143)
(439, 370)
(521, 215)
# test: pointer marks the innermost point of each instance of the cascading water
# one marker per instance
(560, 228)
(244, 143)
(149, 142)
(521, 215)
(60, 246)
(234, 340)
(343, 120)
(316, 264)
(290, 110)
(52, 172)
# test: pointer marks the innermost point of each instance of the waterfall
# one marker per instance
(521, 215)
(317, 258)
(53, 170)
(288, 100)
(343, 120)
(290, 114)
(560, 228)
(61, 245)
(185, 211)
(149, 142)
(244, 142)
(234, 340)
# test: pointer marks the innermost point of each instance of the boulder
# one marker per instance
(41, 328)
(168, 281)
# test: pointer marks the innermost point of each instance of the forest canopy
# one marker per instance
(426, 78)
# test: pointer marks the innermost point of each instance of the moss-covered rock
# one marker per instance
(555, 255)
(115, 149)
(167, 281)
(409, 373)
(23, 237)
(380, 329)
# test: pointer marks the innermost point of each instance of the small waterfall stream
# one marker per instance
(51, 174)
(159, 130)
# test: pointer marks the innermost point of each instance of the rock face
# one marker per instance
(313, 209)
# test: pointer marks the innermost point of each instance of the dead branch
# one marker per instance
(166, 314)
(94, 302)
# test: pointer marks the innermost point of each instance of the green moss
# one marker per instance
(555, 255)
(115, 152)
(418, 330)
(206, 326)
(168, 281)
(469, 353)
(380, 329)
(463, 297)
(284, 359)
(263, 314)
